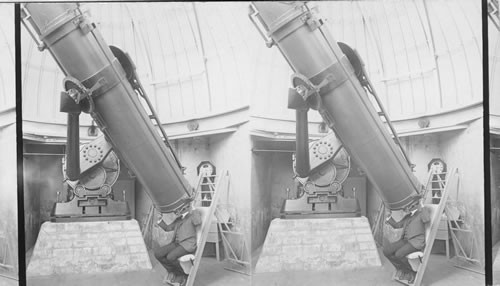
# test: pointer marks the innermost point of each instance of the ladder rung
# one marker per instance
(231, 232)
(460, 229)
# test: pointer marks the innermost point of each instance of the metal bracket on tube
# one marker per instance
(308, 91)
(84, 25)
(304, 86)
(25, 16)
(82, 21)
(75, 89)
(312, 21)
(78, 92)
(100, 83)
(253, 14)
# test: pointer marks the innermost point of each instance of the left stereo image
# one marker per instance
(8, 182)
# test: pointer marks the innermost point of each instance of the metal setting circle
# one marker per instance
(93, 153)
(322, 150)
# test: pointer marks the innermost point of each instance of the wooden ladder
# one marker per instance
(435, 186)
(457, 226)
(223, 178)
(239, 259)
(451, 183)
(436, 183)
(205, 190)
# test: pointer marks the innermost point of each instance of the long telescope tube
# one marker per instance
(78, 48)
(313, 54)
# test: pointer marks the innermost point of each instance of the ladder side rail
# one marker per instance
(428, 185)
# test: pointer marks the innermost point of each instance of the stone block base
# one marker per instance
(89, 247)
(318, 245)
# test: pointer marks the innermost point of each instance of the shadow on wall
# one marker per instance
(495, 198)
(261, 198)
(42, 180)
(8, 200)
(463, 150)
(8, 238)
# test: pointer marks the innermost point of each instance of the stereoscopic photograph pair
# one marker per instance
(250, 143)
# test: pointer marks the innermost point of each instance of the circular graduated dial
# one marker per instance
(329, 165)
(100, 176)
(333, 168)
